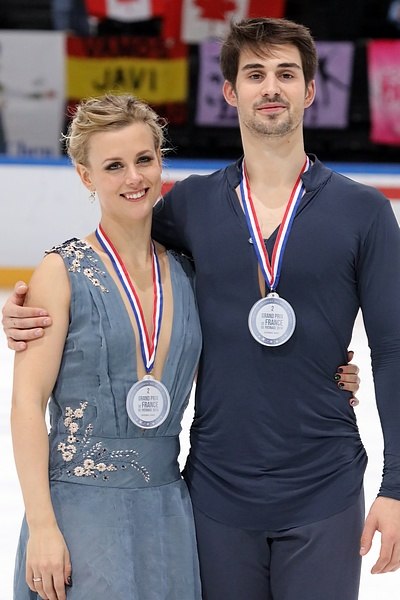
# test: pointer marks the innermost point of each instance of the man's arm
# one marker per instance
(378, 277)
(22, 323)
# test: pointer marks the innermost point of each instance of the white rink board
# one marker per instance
(44, 204)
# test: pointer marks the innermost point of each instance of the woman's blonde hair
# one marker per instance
(105, 113)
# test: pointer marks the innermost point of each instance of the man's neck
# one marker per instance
(272, 171)
(275, 162)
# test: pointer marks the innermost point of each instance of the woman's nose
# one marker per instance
(133, 175)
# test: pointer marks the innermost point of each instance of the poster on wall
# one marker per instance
(384, 91)
(212, 109)
(330, 108)
(32, 93)
(143, 66)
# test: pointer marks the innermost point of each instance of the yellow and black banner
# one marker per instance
(142, 66)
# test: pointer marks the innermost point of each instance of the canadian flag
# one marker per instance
(193, 21)
(125, 10)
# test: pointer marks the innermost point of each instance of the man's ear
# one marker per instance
(310, 94)
(229, 93)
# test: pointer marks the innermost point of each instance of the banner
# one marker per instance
(32, 92)
(143, 66)
(384, 91)
(125, 10)
(330, 108)
(193, 21)
(212, 109)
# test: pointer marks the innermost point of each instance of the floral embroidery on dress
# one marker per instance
(77, 251)
(94, 457)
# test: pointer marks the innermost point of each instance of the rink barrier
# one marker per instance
(46, 196)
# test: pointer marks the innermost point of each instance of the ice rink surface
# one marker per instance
(373, 587)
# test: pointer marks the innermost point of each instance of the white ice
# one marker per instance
(373, 587)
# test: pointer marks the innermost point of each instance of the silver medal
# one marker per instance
(272, 320)
(148, 403)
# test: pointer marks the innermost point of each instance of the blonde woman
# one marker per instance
(108, 514)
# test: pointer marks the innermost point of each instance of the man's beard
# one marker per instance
(271, 127)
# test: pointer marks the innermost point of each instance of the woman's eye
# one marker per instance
(145, 159)
(113, 166)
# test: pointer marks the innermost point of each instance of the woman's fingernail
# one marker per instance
(341, 384)
(340, 370)
(337, 377)
(69, 581)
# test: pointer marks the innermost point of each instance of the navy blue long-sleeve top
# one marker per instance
(274, 442)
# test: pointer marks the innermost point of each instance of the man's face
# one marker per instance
(270, 93)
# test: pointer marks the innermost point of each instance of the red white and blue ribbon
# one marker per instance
(148, 344)
(271, 269)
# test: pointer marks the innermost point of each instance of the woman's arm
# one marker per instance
(35, 372)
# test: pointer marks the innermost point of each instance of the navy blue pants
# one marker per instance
(319, 561)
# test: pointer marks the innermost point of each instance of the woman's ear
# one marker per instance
(84, 175)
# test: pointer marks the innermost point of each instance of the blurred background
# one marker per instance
(166, 52)
(55, 52)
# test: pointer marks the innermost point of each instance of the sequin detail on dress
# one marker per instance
(77, 251)
(93, 458)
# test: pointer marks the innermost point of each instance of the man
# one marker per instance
(286, 252)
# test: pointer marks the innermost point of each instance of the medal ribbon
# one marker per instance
(271, 270)
(148, 345)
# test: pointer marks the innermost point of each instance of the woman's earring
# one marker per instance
(92, 196)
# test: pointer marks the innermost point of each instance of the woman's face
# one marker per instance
(124, 168)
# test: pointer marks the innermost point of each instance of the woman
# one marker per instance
(106, 507)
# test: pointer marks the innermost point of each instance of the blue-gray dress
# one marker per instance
(117, 490)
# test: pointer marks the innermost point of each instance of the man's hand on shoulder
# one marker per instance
(22, 323)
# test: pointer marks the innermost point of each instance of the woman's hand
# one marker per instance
(347, 378)
(48, 566)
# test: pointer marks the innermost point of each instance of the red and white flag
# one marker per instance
(125, 10)
(193, 21)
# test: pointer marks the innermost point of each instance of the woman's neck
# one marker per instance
(132, 242)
